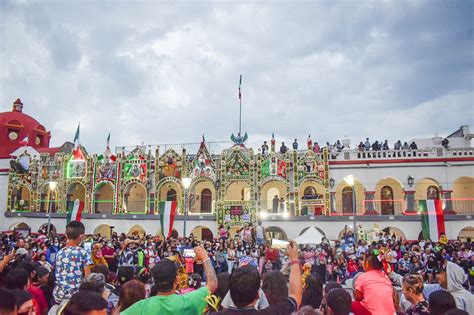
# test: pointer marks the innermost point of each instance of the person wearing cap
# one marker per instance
(167, 302)
(96, 282)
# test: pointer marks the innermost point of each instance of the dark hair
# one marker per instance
(372, 259)
(339, 300)
(41, 272)
(244, 285)
(125, 274)
(440, 302)
(313, 291)
(7, 301)
(103, 269)
(131, 292)
(83, 302)
(331, 285)
(274, 286)
(223, 280)
(164, 274)
(26, 266)
(17, 279)
(21, 297)
(74, 229)
(144, 275)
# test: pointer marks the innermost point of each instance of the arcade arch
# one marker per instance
(136, 230)
(276, 232)
(75, 191)
(44, 228)
(20, 199)
(269, 190)
(344, 197)
(466, 232)
(48, 196)
(202, 195)
(202, 233)
(426, 188)
(394, 230)
(19, 225)
(389, 196)
(238, 191)
(104, 198)
(104, 230)
(463, 194)
(171, 191)
(134, 198)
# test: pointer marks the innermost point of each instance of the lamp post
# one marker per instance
(349, 179)
(186, 182)
(52, 187)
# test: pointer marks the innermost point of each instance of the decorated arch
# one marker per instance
(202, 233)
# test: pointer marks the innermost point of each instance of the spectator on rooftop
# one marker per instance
(283, 148)
(295, 145)
(361, 146)
(413, 146)
(385, 146)
(367, 144)
(397, 145)
(405, 146)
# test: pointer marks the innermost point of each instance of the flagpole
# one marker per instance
(240, 107)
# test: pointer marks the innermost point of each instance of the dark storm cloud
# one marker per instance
(169, 72)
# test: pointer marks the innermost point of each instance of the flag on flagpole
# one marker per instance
(240, 84)
(25, 141)
(432, 218)
(76, 138)
(75, 213)
(167, 214)
(108, 140)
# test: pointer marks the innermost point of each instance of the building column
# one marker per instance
(409, 196)
(333, 202)
(369, 203)
(447, 201)
(151, 210)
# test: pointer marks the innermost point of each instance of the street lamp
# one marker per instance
(186, 182)
(52, 187)
(410, 181)
(349, 179)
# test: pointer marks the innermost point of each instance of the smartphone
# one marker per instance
(279, 244)
(189, 253)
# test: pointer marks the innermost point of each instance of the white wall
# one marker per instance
(4, 164)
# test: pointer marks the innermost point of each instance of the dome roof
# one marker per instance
(18, 129)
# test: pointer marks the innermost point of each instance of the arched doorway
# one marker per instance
(463, 194)
(20, 199)
(386, 201)
(19, 225)
(206, 201)
(394, 230)
(171, 195)
(44, 228)
(312, 198)
(75, 191)
(136, 231)
(103, 230)
(273, 195)
(170, 191)
(426, 188)
(238, 191)
(465, 233)
(347, 204)
(276, 232)
(48, 197)
(134, 198)
(104, 198)
(432, 192)
(202, 233)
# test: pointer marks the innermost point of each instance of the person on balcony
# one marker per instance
(276, 200)
(445, 143)
(316, 148)
(413, 146)
(405, 146)
(283, 148)
(367, 144)
(397, 145)
(264, 148)
(361, 146)
(295, 145)
(385, 146)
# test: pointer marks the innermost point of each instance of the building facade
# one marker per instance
(287, 192)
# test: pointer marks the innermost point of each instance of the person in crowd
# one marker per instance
(132, 292)
(36, 292)
(52, 252)
(96, 282)
(245, 284)
(274, 285)
(73, 263)
(167, 301)
(86, 302)
(44, 262)
(373, 289)
(110, 255)
(404, 264)
(295, 145)
(338, 302)
(412, 289)
(312, 291)
(440, 302)
(96, 255)
(7, 302)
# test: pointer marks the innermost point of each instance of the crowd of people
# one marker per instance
(233, 274)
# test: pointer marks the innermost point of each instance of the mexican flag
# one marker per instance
(432, 218)
(75, 213)
(167, 215)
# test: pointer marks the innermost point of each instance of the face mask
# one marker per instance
(56, 244)
(109, 244)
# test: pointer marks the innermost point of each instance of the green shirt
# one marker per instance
(187, 304)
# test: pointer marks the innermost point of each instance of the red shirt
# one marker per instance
(108, 251)
(38, 295)
(271, 254)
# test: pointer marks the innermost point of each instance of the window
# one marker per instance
(386, 197)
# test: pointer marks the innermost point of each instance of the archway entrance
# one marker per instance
(104, 198)
(426, 188)
(201, 195)
(389, 196)
(48, 197)
(136, 231)
(103, 230)
(465, 233)
(312, 198)
(202, 233)
(394, 231)
(238, 191)
(273, 196)
(134, 198)
(276, 232)
(463, 194)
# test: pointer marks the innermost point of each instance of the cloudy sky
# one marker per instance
(166, 73)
